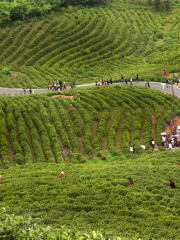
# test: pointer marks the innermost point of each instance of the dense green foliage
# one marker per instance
(39, 128)
(88, 44)
(12, 10)
(19, 227)
(98, 196)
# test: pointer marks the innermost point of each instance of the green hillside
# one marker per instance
(41, 128)
(92, 43)
(98, 196)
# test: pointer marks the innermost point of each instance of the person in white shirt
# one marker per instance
(131, 80)
(131, 149)
(170, 146)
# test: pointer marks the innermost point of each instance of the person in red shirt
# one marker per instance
(62, 174)
(172, 184)
(1, 178)
(102, 82)
(131, 182)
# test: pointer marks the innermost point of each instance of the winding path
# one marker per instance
(153, 85)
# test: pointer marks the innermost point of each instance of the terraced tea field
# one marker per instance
(90, 44)
(48, 128)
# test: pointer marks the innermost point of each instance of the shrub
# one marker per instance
(5, 71)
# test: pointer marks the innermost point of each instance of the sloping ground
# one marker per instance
(98, 196)
(168, 129)
(63, 128)
(88, 45)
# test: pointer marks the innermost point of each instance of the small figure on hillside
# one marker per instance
(10, 39)
(137, 78)
(134, 149)
(172, 142)
(167, 81)
(126, 81)
(122, 78)
(110, 79)
(172, 184)
(131, 80)
(49, 83)
(1, 178)
(30, 91)
(96, 83)
(102, 82)
(60, 83)
(152, 142)
(73, 83)
(107, 82)
(131, 182)
(170, 146)
(24, 90)
(148, 84)
(170, 122)
(64, 84)
(131, 149)
(165, 73)
(62, 174)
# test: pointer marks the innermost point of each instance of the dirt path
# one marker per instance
(168, 129)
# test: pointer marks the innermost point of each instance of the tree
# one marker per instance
(157, 4)
(150, 2)
(168, 5)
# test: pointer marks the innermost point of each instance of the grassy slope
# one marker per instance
(104, 199)
(38, 128)
(90, 44)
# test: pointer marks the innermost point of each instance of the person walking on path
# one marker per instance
(167, 81)
(110, 79)
(73, 83)
(131, 80)
(122, 79)
(172, 184)
(137, 78)
(60, 83)
(30, 91)
(131, 182)
(126, 81)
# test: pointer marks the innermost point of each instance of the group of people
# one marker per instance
(104, 82)
(147, 84)
(59, 85)
(166, 143)
(30, 91)
(122, 80)
(132, 149)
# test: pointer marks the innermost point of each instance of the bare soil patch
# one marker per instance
(168, 129)
(61, 96)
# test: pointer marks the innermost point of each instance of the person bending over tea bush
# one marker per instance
(172, 184)
(131, 182)
(62, 174)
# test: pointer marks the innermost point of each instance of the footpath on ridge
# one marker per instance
(153, 85)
